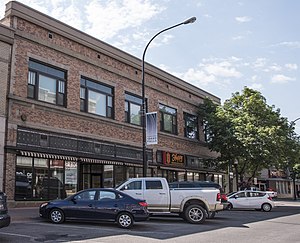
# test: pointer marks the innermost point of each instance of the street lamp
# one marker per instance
(145, 162)
(236, 162)
(293, 171)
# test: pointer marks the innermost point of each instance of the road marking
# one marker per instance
(12, 234)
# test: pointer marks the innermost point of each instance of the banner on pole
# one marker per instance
(151, 128)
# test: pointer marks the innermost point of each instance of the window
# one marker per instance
(168, 119)
(96, 98)
(153, 185)
(86, 195)
(191, 126)
(46, 83)
(104, 195)
(207, 132)
(133, 107)
(135, 185)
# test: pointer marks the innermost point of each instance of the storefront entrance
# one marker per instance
(91, 175)
(96, 180)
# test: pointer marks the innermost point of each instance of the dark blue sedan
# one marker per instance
(97, 204)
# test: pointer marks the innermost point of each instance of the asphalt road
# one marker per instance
(282, 224)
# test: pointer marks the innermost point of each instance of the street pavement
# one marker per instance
(27, 213)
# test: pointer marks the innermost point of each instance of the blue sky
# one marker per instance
(233, 43)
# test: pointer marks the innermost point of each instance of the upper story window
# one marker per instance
(191, 126)
(96, 98)
(168, 119)
(133, 107)
(46, 83)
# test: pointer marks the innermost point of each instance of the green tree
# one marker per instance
(247, 129)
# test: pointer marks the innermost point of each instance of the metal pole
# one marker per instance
(145, 161)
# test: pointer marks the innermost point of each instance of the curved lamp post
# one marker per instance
(294, 175)
(145, 164)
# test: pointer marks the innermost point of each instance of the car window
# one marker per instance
(153, 185)
(255, 194)
(239, 195)
(107, 195)
(134, 185)
(85, 195)
(173, 185)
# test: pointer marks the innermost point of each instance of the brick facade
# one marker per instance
(47, 40)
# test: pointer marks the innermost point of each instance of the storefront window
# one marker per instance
(23, 184)
(181, 176)
(70, 177)
(40, 178)
(119, 174)
(190, 176)
(44, 179)
(108, 176)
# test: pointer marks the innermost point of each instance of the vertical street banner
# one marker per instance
(151, 128)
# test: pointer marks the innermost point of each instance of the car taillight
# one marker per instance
(219, 197)
(143, 204)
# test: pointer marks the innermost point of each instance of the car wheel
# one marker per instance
(229, 207)
(125, 220)
(266, 207)
(195, 214)
(57, 216)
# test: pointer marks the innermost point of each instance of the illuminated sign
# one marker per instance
(173, 159)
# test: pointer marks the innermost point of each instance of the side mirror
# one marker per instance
(124, 188)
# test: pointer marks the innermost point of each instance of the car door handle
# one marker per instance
(138, 193)
(116, 205)
(162, 193)
(90, 205)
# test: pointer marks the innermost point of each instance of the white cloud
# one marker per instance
(260, 63)
(281, 79)
(221, 69)
(291, 44)
(291, 66)
(243, 19)
(107, 18)
(256, 86)
(239, 37)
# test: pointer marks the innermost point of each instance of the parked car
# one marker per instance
(250, 199)
(269, 191)
(192, 204)
(96, 204)
(4, 216)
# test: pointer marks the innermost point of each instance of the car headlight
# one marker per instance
(43, 204)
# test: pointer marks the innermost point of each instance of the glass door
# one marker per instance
(96, 180)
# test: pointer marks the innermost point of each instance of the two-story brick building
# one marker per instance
(70, 113)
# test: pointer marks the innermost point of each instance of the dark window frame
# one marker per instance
(136, 100)
(164, 113)
(86, 85)
(59, 75)
(196, 125)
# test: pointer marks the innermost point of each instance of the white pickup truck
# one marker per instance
(192, 204)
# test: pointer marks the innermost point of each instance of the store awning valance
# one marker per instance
(47, 156)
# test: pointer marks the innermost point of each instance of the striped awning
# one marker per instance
(72, 158)
(48, 156)
(100, 161)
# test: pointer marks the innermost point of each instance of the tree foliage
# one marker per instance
(246, 129)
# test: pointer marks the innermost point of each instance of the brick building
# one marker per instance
(70, 113)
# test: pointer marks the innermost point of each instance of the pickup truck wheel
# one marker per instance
(195, 214)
